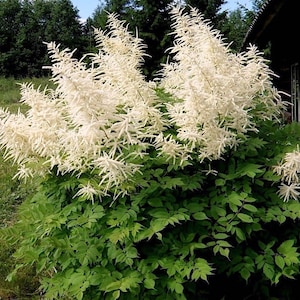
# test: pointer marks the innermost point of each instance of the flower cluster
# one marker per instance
(103, 115)
(217, 91)
(289, 169)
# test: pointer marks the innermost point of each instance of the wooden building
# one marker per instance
(276, 29)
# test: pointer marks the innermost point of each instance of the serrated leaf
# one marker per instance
(158, 225)
(235, 198)
(216, 249)
(130, 282)
(200, 216)
(202, 270)
(250, 170)
(224, 252)
(194, 246)
(245, 273)
(175, 286)
(268, 271)
(179, 288)
(281, 219)
(219, 211)
(250, 207)
(194, 207)
(159, 213)
(223, 243)
(259, 260)
(249, 199)
(220, 182)
(157, 172)
(171, 183)
(245, 218)
(155, 202)
(149, 284)
(220, 235)
(116, 294)
(279, 261)
(285, 247)
(240, 234)
(271, 176)
(234, 208)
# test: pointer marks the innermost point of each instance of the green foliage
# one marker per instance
(25, 284)
(186, 229)
(178, 228)
(236, 26)
(13, 193)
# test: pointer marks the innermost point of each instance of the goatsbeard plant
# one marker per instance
(102, 117)
(122, 157)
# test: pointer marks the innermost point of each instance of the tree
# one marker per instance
(26, 25)
(152, 19)
(60, 22)
(235, 27)
(235, 24)
(10, 11)
(99, 17)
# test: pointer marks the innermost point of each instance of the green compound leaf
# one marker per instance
(235, 198)
(175, 286)
(250, 170)
(288, 252)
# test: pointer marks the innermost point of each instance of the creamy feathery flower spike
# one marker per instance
(288, 192)
(120, 55)
(289, 167)
(289, 171)
(93, 114)
(172, 149)
(87, 191)
(217, 92)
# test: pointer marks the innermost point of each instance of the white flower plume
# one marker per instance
(216, 90)
(103, 117)
(289, 170)
(94, 115)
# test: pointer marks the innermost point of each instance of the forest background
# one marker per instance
(26, 25)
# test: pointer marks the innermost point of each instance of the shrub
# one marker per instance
(153, 189)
